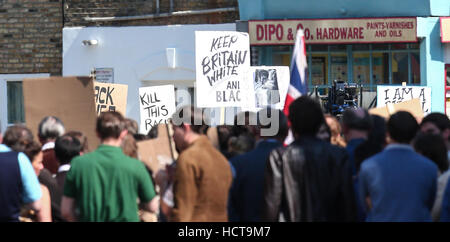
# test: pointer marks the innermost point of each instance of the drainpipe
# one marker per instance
(157, 6)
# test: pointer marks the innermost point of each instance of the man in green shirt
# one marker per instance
(104, 185)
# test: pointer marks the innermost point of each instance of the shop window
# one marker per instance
(415, 68)
(15, 107)
(281, 59)
(380, 68)
(318, 70)
(361, 68)
(339, 67)
(399, 68)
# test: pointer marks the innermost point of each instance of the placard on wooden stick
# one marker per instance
(68, 98)
(155, 153)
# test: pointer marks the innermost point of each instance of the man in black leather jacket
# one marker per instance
(309, 180)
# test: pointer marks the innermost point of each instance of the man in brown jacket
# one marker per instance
(203, 175)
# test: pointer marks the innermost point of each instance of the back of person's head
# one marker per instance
(132, 126)
(50, 128)
(357, 119)
(82, 138)
(241, 144)
(402, 127)
(110, 125)
(192, 116)
(306, 116)
(440, 120)
(272, 122)
(433, 147)
(378, 132)
(32, 149)
(17, 137)
(66, 148)
(245, 123)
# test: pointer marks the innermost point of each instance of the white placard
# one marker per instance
(104, 75)
(222, 59)
(268, 87)
(397, 94)
(156, 105)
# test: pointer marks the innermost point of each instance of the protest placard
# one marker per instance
(157, 152)
(68, 98)
(412, 106)
(269, 86)
(110, 97)
(398, 94)
(222, 58)
(157, 104)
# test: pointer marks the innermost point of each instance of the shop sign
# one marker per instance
(334, 31)
(445, 29)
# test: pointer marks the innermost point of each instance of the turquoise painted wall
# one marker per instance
(432, 60)
(279, 9)
(440, 7)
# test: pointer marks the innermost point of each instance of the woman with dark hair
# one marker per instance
(35, 154)
(433, 147)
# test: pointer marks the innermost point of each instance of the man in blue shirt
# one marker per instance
(246, 193)
(398, 184)
(18, 184)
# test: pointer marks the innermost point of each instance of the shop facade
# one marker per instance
(375, 43)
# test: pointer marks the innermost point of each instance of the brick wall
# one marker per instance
(30, 36)
(77, 10)
(31, 30)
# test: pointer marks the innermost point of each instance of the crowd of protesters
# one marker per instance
(359, 168)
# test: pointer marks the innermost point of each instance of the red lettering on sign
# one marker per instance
(259, 32)
(279, 32)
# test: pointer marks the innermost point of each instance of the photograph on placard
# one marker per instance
(266, 87)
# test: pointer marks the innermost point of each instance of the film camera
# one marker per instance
(341, 95)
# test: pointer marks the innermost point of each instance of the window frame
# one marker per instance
(349, 51)
(4, 79)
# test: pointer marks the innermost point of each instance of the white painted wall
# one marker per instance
(137, 54)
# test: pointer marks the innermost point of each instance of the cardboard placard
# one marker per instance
(156, 153)
(222, 58)
(398, 94)
(269, 86)
(412, 106)
(68, 98)
(110, 97)
(157, 104)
